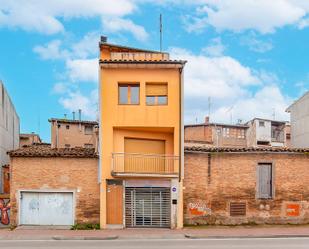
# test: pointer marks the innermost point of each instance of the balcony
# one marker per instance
(144, 165)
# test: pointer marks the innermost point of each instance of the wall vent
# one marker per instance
(238, 209)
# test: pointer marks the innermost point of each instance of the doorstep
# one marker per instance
(33, 227)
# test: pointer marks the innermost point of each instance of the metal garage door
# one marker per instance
(148, 207)
(46, 208)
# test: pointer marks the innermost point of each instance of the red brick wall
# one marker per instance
(79, 174)
(233, 179)
(199, 134)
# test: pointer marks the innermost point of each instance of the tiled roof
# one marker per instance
(71, 121)
(204, 148)
(218, 124)
(145, 61)
(44, 150)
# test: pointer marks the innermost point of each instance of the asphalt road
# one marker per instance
(279, 243)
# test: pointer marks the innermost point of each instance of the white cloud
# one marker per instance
(60, 88)
(234, 89)
(115, 25)
(76, 100)
(47, 16)
(216, 48)
(263, 16)
(255, 44)
(83, 69)
(51, 51)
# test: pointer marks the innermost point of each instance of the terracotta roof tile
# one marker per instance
(44, 150)
(204, 148)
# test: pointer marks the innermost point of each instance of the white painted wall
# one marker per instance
(9, 128)
(300, 122)
(263, 133)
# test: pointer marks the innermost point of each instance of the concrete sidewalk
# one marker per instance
(189, 233)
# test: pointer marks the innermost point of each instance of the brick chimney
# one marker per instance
(207, 120)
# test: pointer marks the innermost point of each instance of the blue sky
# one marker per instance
(250, 58)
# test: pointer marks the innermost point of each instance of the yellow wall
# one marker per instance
(139, 121)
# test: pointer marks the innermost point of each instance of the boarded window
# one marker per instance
(237, 209)
(264, 181)
(156, 94)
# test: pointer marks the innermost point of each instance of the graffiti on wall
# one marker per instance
(5, 207)
(292, 209)
(199, 209)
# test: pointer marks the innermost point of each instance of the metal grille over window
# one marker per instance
(148, 207)
(237, 209)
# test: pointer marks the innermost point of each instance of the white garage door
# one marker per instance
(46, 208)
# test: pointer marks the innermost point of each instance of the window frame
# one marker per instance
(156, 97)
(272, 184)
(91, 130)
(129, 85)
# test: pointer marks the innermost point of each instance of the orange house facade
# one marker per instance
(141, 138)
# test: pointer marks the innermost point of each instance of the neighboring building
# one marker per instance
(141, 160)
(216, 134)
(299, 112)
(229, 186)
(54, 186)
(29, 139)
(264, 132)
(9, 129)
(70, 133)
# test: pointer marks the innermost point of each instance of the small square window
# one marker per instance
(88, 130)
(128, 94)
(261, 124)
(58, 126)
(67, 127)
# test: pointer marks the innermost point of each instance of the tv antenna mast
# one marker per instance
(161, 31)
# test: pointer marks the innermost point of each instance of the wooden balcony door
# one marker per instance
(143, 155)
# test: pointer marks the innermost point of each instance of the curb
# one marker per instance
(83, 238)
(189, 236)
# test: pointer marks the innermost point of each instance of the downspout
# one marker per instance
(181, 145)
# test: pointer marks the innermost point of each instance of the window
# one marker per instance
(67, 127)
(67, 145)
(241, 133)
(128, 94)
(288, 136)
(88, 130)
(265, 181)
(88, 145)
(156, 94)
(261, 124)
(59, 126)
(226, 132)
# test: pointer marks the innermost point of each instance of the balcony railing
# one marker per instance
(144, 164)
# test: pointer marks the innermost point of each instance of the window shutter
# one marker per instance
(265, 188)
(156, 89)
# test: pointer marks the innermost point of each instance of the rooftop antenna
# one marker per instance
(209, 106)
(230, 110)
(161, 32)
(274, 114)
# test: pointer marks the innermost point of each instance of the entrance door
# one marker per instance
(114, 202)
(45, 208)
(148, 207)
